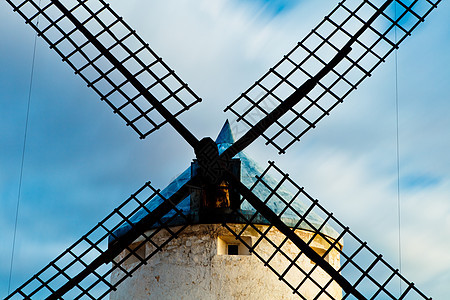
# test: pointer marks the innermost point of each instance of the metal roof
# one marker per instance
(249, 171)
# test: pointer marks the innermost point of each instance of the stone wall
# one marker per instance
(190, 267)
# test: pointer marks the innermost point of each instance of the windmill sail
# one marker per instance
(112, 59)
(368, 275)
(84, 269)
(124, 71)
(326, 41)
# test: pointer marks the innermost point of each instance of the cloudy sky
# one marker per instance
(81, 161)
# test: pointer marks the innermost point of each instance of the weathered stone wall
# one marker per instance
(190, 267)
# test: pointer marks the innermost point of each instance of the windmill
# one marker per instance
(211, 175)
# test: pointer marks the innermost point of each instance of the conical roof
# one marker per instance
(250, 170)
(225, 136)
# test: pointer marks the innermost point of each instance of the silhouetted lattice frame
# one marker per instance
(84, 269)
(111, 58)
(314, 52)
(366, 270)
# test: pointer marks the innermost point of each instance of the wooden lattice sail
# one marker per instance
(311, 80)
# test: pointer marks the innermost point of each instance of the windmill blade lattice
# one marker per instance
(130, 77)
(365, 270)
(83, 271)
(112, 59)
(315, 51)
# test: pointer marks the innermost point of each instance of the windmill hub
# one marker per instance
(211, 168)
(212, 190)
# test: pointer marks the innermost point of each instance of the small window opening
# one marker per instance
(233, 249)
(229, 245)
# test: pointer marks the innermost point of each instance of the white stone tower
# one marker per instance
(207, 262)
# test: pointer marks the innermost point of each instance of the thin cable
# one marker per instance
(23, 159)
(398, 150)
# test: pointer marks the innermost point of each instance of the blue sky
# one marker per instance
(81, 161)
(276, 7)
